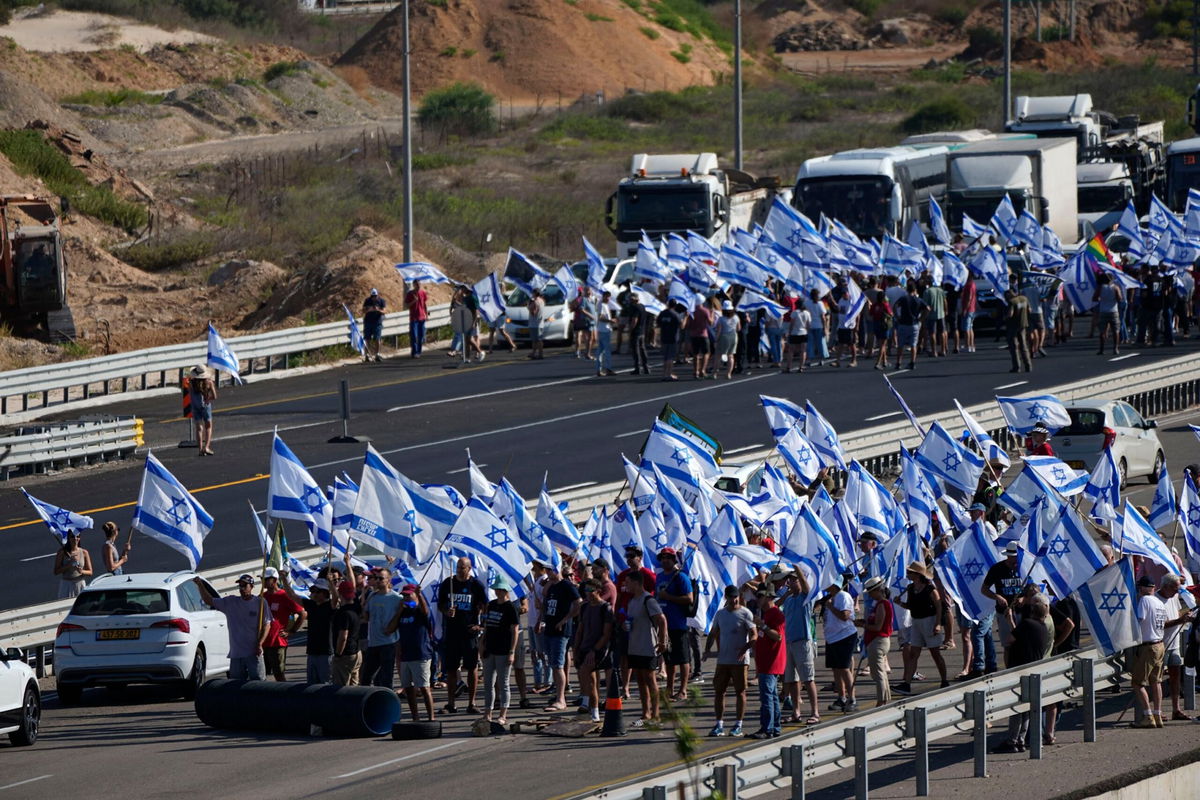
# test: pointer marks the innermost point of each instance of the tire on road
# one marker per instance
(31, 718)
(402, 731)
(193, 682)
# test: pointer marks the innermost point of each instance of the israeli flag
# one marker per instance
(818, 279)
(623, 533)
(1131, 229)
(481, 535)
(709, 578)
(1028, 231)
(824, 438)
(679, 292)
(1137, 537)
(652, 529)
(523, 524)
(481, 487)
(789, 227)
(1189, 516)
(168, 513)
(1068, 554)
(292, 493)
(60, 521)
(701, 250)
(775, 484)
(1004, 219)
(974, 231)
(746, 561)
(421, 271)
(962, 568)
(488, 297)
(756, 510)
(1109, 602)
(678, 254)
(800, 455)
(1104, 488)
(355, 333)
(652, 304)
(954, 271)
(1022, 413)
(440, 506)
(520, 271)
(752, 301)
(781, 413)
(810, 546)
(561, 532)
(920, 498)
(1023, 491)
(680, 458)
(642, 487)
(937, 223)
(597, 270)
(1163, 509)
(345, 497)
(1079, 282)
(1161, 218)
(739, 267)
(727, 529)
(260, 530)
(680, 521)
(987, 445)
(990, 265)
(220, 356)
(908, 412)
(857, 302)
(1057, 475)
(747, 240)
(900, 551)
(698, 277)
(869, 503)
(647, 265)
(385, 516)
(566, 281)
(777, 262)
(947, 459)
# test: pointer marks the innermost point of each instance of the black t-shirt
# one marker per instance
(908, 309)
(467, 597)
(1004, 580)
(1066, 608)
(320, 615)
(669, 324)
(373, 308)
(1030, 641)
(348, 617)
(497, 627)
(559, 599)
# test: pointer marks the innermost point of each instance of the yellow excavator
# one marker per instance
(33, 271)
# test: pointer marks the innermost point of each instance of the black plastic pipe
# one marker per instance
(293, 708)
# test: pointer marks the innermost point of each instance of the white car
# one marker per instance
(1096, 424)
(141, 628)
(556, 316)
(20, 699)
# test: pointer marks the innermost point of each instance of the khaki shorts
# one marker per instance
(1147, 668)
(344, 669)
(801, 662)
(519, 649)
(922, 633)
(414, 674)
(726, 675)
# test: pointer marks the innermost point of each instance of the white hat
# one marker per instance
(270, 572)
(198, 371)
(727, 306)
(374, 291)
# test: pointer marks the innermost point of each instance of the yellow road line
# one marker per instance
(597, 786)
(257, 477)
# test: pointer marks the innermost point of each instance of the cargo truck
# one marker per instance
(1037, 174)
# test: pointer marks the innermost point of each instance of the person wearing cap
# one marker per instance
(287, 616)
(924, 603)
(1002, 583)
(593, 636)
(1039, 441)
(877, 632)
(727, 327)
(562, 605)
(345, 628)
(770, 658)
(373, 308)
(537, 649)
(462, 600)
(318, 611)
(604, 326)
(1169, 592)
(646, 639)
(796, 323)
(841, 636)
(633, 557)
(497, 649)
(416, 301)
(412, 624)
(202, 393)
(1146, 674)
(379, 608)
(248, 621)
(676, 595)
(734, 632)
(818, 328)
(801, 648)
(977, 512)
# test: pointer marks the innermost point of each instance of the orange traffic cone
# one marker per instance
(614, 721)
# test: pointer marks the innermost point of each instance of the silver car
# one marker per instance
(1096, 424)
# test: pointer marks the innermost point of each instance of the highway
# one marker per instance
(520, 418)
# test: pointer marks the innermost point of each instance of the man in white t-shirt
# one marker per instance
(1173, 603)
(1146, 673)
(818, 327)
(797, 324)
(841, 638)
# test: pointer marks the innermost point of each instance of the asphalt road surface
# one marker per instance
(520, 418)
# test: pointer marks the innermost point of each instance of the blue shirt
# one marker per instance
(677, 584)
(412, 631)
(798, 618)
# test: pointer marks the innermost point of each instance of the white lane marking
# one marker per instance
(492, 393)
(22, 783)
(899, 372)
(737, 450)
(631, 433)
(883, 416)
(35, 558)
(1122, 358)
(540, 422)
(574, 486)
(390, 761)
(1009, 385)
(463, 469)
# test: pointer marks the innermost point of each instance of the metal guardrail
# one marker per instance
(59, 384)
(35, 449)
(906, 725)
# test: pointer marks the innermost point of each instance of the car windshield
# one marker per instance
(112, 602)
(1084, 421)
(1095, 199)
(551, 293)
(859, 203)
(663, 208)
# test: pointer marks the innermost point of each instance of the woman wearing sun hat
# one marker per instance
(202, 392)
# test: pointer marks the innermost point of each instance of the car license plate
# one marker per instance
(121, 633)
(1075, 465)
(522, 331)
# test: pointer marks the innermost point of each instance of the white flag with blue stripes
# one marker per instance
(1028, 231)
(292, 493)
(1131, 229)
(421, 271)
(799, 454)
(220, 356)
(623, 534)
(567, 282)
(1057, 475)
(489, 299)
(680, 458)
(648, 301)
(1068, 554)
(752, 301)
(737, 266)
(824, 437)
(1137, 537)
(1004, 219)
(481, 487)
(384, 515)
(954, 271)
(781, 413)
(1189, 516)
(937, 222)
(560, 530)
(789, 227)
(811, 546)
(1163, 508)
(482, 536)
(941, 455)
(642, 488)
(709, 577)
(857, 302)
(870, 504)
(962, 568)
(1022, 413)
(990, 449)
(1109, 602)
(1104, 488)
(345, 497)
(1023, 491)
(647, 265)
(355, 333)
(60, 521)
(168, 513)
(920, 496)
(679, 519)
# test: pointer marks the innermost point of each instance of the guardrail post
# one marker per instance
(654, 793)
(41, 661)
(1085, 678)
(792, 758)
(856, 745)
(1189, 689)
(916, 726)
(1031, 689)
(977, 707)
(725, 781)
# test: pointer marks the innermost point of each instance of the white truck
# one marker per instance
(1183, 172)
(1038, 174)
(1103, 191)
(677, 193)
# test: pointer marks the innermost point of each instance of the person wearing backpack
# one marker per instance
(676, 596)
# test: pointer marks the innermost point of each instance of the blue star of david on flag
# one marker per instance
(681, 456)
(1060, 474)
(973, 569)
(180, 512)
(1058, 546)
(313, 498)
(410, 517)
(1037, 412)
(62, 517)
(796, 238)
(660, 540)
(821, 556)
(804, 455)
(951, 462)
(1112, 602)
(1193, 515)
(498, 537)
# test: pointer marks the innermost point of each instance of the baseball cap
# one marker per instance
(499, 584)
(320, 584)
(1146, 580)
(410, 587)
(346, 590)
(668, 551)
(731, 591)
(246, 578)
(270, 572)
(374, 291)
(1040, 427)
(978, 507)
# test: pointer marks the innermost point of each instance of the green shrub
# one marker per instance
(459, 109)
(586, 127)
(438, 3)
(160, 254)
(281, 68)
(448, 52)
(951, 15)
(112, 99)
(683, 55)
(497, 56)
(865, 7)
(597, 18)
(982, 39)
(1169, 18)
(636, 5)
(649, 32)
(947, 113)
(439, 160)
(468, 53)
(659, 106)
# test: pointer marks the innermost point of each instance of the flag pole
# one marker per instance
(978, 445)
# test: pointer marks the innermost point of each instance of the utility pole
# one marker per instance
(1007, 64)
(406, 167)
(737, 84)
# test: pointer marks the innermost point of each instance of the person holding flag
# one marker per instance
(74, 564)
(202, 391)
(417, 302)
(114, 563)
(248, 621)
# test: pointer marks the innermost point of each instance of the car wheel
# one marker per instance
(70, 695)
(31, 720)
(417, 730)
(1123, 471)
(1158, 465)
(194, 681)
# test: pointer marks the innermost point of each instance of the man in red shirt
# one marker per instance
(697, 326)
(417, 303)
(1039, 441)
(633, 557)
(286, 618)
(769, 660)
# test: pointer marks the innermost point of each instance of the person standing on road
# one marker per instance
(248, 621)
(373, 308)
(924, 603)
(113, 563)
(318, 608)
(535, 307)
(562, 604)
(770, 657)
(797, 323)
(800, 667)
(818, 328)
(497, 649)
(202, 393)
(675, 594)
(841, 638)
(583, 322)
(1108, 298)
(1016, 323)
(1027, 642)
(287, 616)
(669, 322)
(734, 631)
(877, 632)
(604, 329)
(646, 633)
(347, 659)
(1169, 592)
(461, 599)
(416, 301)
(381, 605)
(698, 323)
(639, 322)
(968, 304)
(909, 312)
(1003, 583)
(74, 564)
(414, 648)
(593, 636)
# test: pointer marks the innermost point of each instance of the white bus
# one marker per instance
(1183, 172)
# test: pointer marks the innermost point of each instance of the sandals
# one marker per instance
(812, 721)
(555, 707)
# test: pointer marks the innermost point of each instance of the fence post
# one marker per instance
(916, 726)
(977, 705)
(1189, 689)
(1085, 678)
(725, 781)
(654, 793)
(793, 767)
(856, 745)
(1031, 688)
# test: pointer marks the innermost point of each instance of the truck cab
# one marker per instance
(1103, 191)
(1058, 117)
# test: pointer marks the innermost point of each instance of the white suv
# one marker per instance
(1097, 424)
(147, 628)
(20, 699)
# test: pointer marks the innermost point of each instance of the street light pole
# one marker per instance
(1007, 64)
(737, 84)
(406, 167)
